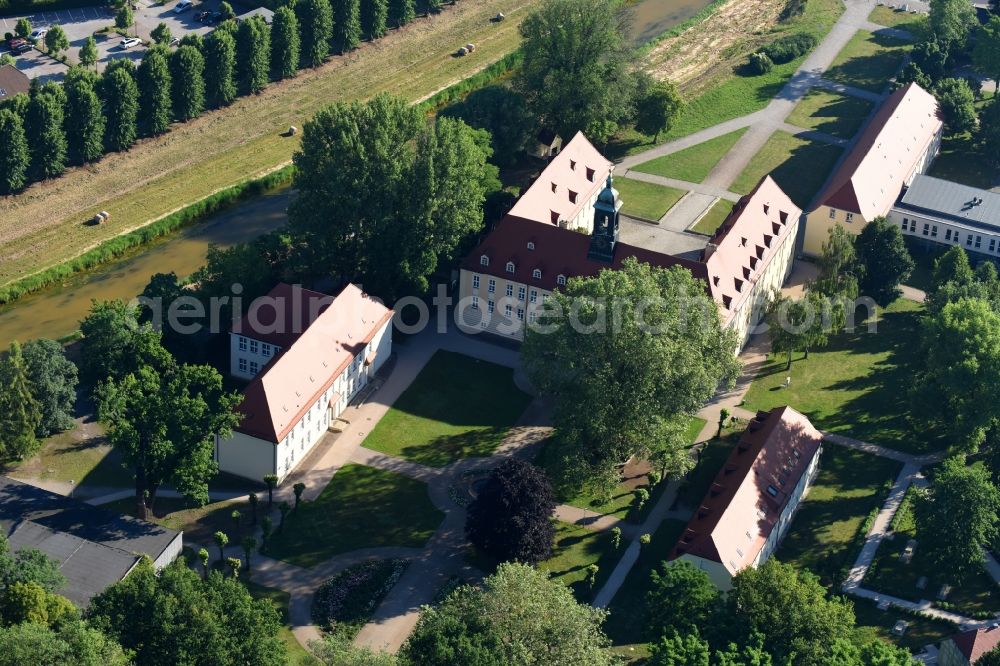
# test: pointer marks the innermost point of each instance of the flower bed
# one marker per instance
(344, 603)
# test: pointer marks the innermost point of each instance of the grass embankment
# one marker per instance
(695, 163)
(714, 218)
(575, 549)
(45, 226)
(868, 61)
(915, 24)
(835, 114)
(457, 407)
(798, 165)
(647, 201)
(857, 385)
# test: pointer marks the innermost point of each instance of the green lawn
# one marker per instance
(922, 631)
(826, 533)
(456, 407)
(361, 507)
(798, 165)
(622, 502)
(889, 574)
(576, 548)
(198, 523)
(857, 385)
(692, 164)
(868, 61)
(712, 457)
(915, 24)
(626, 624)
(81, 456)
(961, 161)
(295, 654)
(714, 218)
(830, 112)
(646, 201)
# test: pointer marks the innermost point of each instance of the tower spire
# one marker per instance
(607, 211)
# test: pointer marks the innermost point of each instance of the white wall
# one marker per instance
(946, 233)
(251, 351)
(170, 553)
(245, 456)
(717, 573)
(786, 517)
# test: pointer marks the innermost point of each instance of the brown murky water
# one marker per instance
(651, 18)
(56, 312)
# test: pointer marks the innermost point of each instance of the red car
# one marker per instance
(18, 45)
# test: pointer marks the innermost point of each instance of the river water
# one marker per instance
(56, 311)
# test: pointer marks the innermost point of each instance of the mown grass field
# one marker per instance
(647, 201)
(868, 61)
(693, 164)
(714, 218)
(798, 165)
(830, 112)
(45, 225)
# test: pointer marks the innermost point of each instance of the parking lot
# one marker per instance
(82, 23)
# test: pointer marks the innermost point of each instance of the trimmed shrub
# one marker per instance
(759, 63)
(790, 47)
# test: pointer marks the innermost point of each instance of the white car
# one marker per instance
(183, 5)
(38, 33)
(129, 42)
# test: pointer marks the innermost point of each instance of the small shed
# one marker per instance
(262, 12)
(547, 144)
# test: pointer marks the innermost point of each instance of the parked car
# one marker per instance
(38, 34)
(18, 45)
(182, 6)
(129, 42)
(213, 18)
(201, 16)
(176, 41)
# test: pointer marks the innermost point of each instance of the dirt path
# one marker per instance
(45, 225)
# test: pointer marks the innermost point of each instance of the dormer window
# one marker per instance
(531, 245)
(572, 197)
(510, 266)
(572, 165)
(537, 274)
(484, 260)
(772, 491)
(560, 279)
(590, 174)
(554, 188)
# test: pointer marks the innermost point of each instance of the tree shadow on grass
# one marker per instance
(446, 449)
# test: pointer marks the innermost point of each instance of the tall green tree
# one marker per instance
(73, 643)
(220, 69)
(657, 109)
(374, 17)
(175, 617)
(316, 26)
(161, 34)
(382, 197)
(402, 12)
(23, 28)
(253, 55)
(576, 71)
(115, 344)
(518, 616)
(957, 104)
(958, 517)
(347, 24)
(952, 20)
(155, 85)
(501, 112)
(625, 383)
(284, 44)
(838, 265)
(986, 50)
(675, 649)
(56, 41)
(15, 157)
(187, 73)
(961, 369)
(121, 105)
(162, 422)
(84, 117)
(20, 413)
(44, 129)
(680, 598)
(124, 18)
(881, 251)
(803, 324)
(791, 610)
(53, 380)
(988, 134)
(88, 52)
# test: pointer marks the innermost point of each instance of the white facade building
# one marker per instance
(307, 381)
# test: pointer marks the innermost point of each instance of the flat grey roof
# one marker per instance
(952, 201)
(95, 547)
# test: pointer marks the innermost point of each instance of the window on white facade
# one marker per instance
(484, 260)
(243, 343)
(968, 240)
(520, 293)
(510, 266)
(475, 282)
(510, 290)
(243, 365)
(947, 234)
(265, 349)
(520, 314)
(993, 244)
(850, 217)
(253, 346)
(533, 296)
(537, 274)
(934, 231)
(254, 367)
(927, 228)
(833, 214)
(508, 310)
(490, 306)
(560, 279)
(532, 317)
(475, 302)
(492, 287)
(531, 245)
(979, 240)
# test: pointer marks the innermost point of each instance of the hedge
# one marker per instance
(790, 47)
(119, 245)
(480, 79)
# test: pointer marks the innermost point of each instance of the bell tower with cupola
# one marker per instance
(607, 210)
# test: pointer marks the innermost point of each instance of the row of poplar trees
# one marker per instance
(59, 126)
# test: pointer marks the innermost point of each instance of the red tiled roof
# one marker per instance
(737, 515)
(295, 307)
(557, 252)
(742, 248)
(977, 642)
(872, 175)
(12, 82)
(295, 379)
